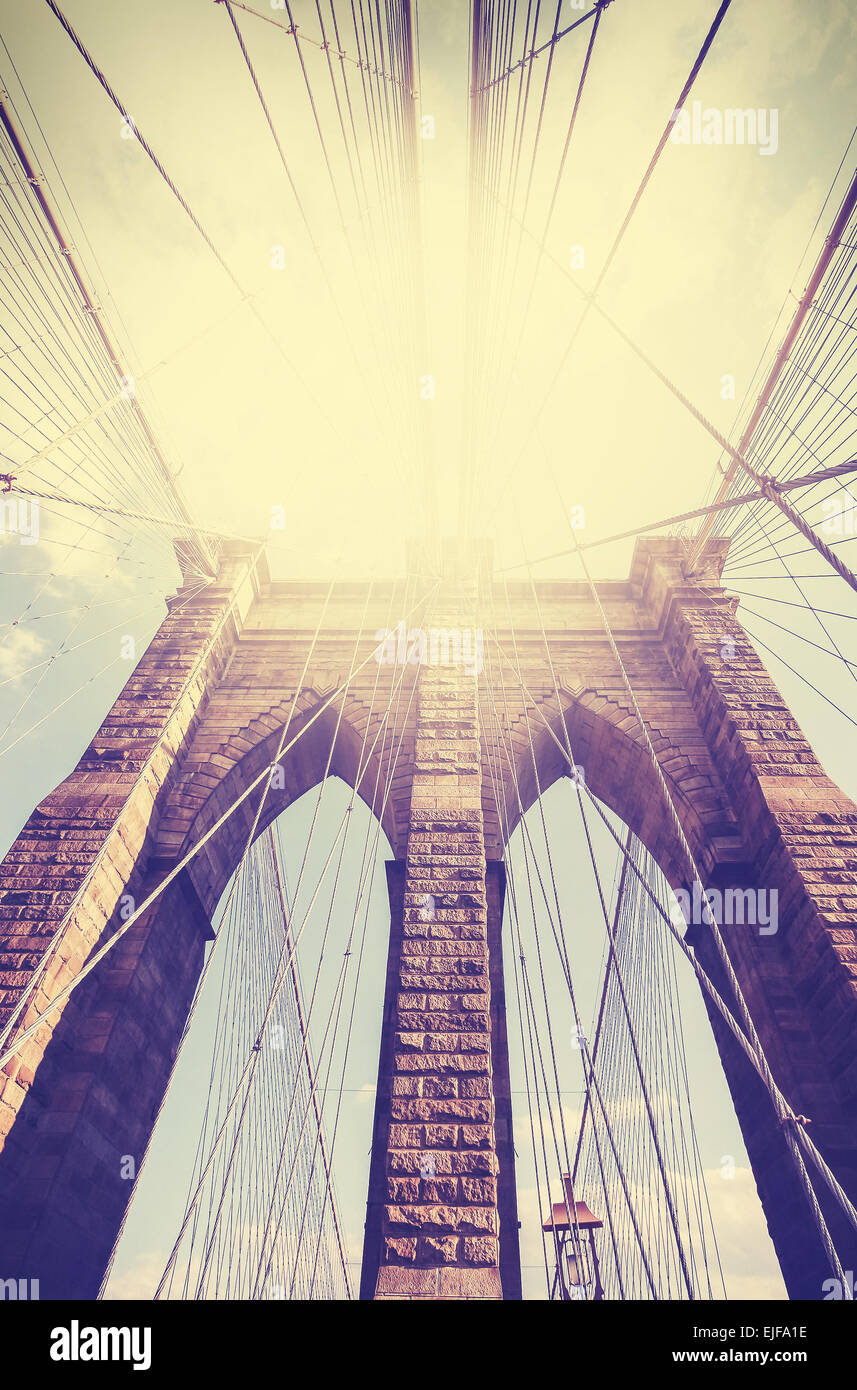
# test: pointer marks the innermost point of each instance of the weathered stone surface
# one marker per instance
(479, 1191)
(400, 1249)
(479, 1250)
(439, 1250)
(443, 1002)
(474, 1110)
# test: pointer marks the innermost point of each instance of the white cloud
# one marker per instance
(140, 1279)
(20, 648)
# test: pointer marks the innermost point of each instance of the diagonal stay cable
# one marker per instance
(754, 1054)
(186, 208)
(635, 202)
(94, 960)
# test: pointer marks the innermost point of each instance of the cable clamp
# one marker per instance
(767, 484)
(795, 1120)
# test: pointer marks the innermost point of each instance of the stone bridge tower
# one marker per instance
(202, 716)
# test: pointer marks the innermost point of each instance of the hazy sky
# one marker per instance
(701, 275)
